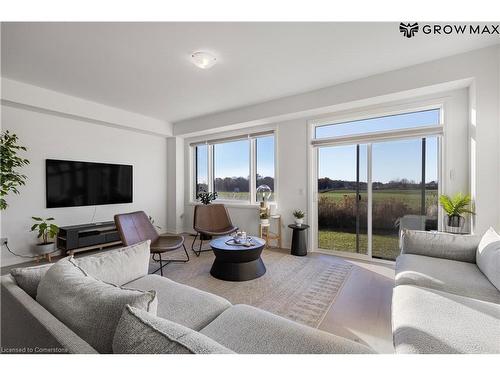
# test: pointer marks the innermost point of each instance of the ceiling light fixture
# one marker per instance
(203, 60)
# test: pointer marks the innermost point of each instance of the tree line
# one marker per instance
(326, 184)
(237, 184)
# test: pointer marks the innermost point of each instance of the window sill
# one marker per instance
(233, 204)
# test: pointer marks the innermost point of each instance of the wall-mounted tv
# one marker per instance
(78, 183)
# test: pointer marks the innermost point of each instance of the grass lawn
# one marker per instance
(384, 246)
(410, 197)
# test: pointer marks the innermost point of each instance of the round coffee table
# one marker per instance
(236, 262)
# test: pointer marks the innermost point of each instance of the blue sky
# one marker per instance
(392, 160)
(232, 159)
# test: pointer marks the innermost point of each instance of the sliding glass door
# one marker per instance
(343, 199)
(368, 193)
(405, 191)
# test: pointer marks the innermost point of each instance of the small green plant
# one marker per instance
(298, 214)
(264, 215)
(45, 230)
(10, 178)
(457, 205)
(205, 197)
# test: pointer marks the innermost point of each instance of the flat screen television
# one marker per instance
(79, 183)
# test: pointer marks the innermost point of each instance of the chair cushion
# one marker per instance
(28, 278)
(450, 276)
(119, 266)
(488, 256)
(246, 329)
(89, 307)
(139, 332)
(182, 304)
(167, 243)
(431, 321)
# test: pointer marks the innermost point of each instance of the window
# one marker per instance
(235, 167)
(201, 168)
(401, 121)
(372, 186)
(232, 170)
(265, 163)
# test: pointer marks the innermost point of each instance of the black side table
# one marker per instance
(299, 246)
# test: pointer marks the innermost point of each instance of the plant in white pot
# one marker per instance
(456, 207)
(46, 232)
(299, 217)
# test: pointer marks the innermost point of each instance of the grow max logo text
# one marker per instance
(409, 29)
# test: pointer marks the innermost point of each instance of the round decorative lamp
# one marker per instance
(264, 193)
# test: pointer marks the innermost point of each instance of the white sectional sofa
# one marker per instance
(45, 311)
(443, 302)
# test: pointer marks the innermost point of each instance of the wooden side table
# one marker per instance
(266, 234)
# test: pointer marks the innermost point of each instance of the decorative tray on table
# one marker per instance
(240, 242)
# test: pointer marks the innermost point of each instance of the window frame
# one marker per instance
(210, 143)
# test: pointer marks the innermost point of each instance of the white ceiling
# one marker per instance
(145, 67)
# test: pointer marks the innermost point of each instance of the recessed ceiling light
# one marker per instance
(203, 60)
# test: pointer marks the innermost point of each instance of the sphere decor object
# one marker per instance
(264, 193)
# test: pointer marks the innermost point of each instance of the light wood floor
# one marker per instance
(361, 310)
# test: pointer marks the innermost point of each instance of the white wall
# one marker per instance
(477, 70)
(56, 135)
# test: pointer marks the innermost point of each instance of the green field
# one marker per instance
(388, 206)
(410, 197)
(384, 246)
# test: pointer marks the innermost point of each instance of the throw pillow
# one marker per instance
(139, 332)
(488, 256)
(28, 278)
(120, 266)
(89, 307)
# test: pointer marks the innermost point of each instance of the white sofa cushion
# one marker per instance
(139, 332)
(435, 322)
(249, 330)
(462, 278)
(89, 307)
(181, 303)
(119, 266)
(488, 256)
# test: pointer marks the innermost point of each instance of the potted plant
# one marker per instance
(10, 178)
(299, 217)
(46, 231)
(206, 197)
(264, 218)
(455, 208)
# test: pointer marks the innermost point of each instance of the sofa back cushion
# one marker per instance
(89, 307)
(139, 332)
(457, 247)
(120, 266)
(28, 278)
(488, 256)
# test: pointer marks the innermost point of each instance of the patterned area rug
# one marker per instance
(298, 288)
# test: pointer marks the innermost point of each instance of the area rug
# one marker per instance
(298, 288)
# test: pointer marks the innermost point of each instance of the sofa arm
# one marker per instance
(460, 247)
(26, 327)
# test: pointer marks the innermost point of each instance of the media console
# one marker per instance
(87, 237)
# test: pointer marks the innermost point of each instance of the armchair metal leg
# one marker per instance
(200, 250)
(164, 263)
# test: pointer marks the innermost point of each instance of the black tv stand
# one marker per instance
(90, 236)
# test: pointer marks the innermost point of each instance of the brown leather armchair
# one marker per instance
(211, 220)
(135, 227)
